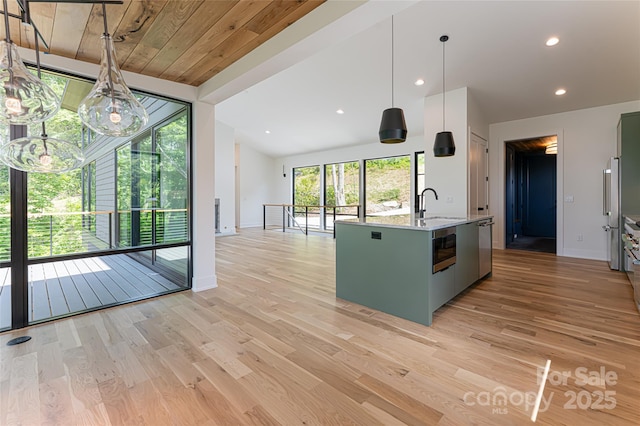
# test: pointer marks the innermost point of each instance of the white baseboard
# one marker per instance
(251, 225)
(226, 234)
(203, 283)
(584, 254)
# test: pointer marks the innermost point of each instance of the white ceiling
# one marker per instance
(496, 49)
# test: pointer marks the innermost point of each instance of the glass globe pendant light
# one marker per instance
(110, 108)
(41, 154)
(24, 99)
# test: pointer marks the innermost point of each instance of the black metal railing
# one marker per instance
(329, 214)
(55, 234)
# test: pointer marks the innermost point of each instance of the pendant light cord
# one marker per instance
(443, 114)
(8, 40)
(6, 22)
(37, 46)
(392, 62)
(108, 48)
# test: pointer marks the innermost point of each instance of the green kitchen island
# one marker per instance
(387, 263)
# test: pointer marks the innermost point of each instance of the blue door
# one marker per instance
(539, 218)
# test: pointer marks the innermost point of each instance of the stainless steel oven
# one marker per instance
(444, 248)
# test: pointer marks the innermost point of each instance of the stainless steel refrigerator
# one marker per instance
(611, 209)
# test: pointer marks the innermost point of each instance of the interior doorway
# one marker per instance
(531, 205)
(478, 176)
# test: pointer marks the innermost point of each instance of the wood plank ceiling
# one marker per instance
(533, 144)
(186, 41)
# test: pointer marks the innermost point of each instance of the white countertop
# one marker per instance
(429, 223)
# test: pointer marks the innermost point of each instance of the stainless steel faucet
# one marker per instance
(423, 209)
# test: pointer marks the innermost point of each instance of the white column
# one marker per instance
(203, 238)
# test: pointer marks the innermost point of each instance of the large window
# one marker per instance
(5, 214)
(341, 188)
(419, 182)
(5, 249)
(54, 200)
(173, 185)
(388, 186)
(306, 186)
(153, 187)
(114, 231)
(306, 192)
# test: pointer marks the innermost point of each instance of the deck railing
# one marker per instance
(292, 212)
(52, 234)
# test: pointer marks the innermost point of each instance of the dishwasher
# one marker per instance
(484, 245)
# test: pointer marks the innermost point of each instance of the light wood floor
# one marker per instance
(272, 345)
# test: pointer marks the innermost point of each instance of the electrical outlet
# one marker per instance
(568, 199)
(449, 199)
(579, 237)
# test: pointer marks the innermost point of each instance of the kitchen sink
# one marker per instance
(436, 222)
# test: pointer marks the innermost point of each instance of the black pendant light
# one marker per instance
(393, 129)
(444, 145)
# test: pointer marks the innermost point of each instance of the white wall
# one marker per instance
(225, 177)
(447, 175)
(475, 117)
(203, 238)
(586, 139)
(256, 184)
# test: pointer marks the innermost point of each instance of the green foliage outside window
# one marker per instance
(306, 186)
(388, 184)
(51, 197)
(5, 210)
(342, 181)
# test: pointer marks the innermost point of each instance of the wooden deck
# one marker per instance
(60, 288)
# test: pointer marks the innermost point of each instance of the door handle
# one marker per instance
(607, 228)
(604, 192)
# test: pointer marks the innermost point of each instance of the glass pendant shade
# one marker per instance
(110, 108)
(393, 128)
(41, 154)
(444, 145)
(24, 98)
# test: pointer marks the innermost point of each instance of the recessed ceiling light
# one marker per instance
(339, 111)
(560, 92)
(419, 82)
(552, 41)
(267, 131)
